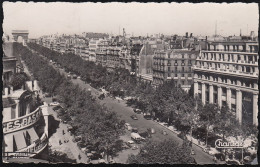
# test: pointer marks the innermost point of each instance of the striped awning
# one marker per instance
(33, 135)
(20, 140)
(8, 143)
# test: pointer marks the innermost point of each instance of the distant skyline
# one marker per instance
(137, 18)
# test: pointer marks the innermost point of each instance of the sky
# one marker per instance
(137, 18)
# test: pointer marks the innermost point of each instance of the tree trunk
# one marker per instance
(207, 135)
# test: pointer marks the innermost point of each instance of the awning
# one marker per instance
(8, 143)
(20, 140)
(33, 134)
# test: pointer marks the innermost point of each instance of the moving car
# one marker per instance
(134, 117)
(54, 104)
(151, 130)
(164, 132)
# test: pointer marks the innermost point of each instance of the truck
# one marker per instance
(136, 137)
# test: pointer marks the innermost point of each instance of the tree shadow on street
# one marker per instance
(53, 125)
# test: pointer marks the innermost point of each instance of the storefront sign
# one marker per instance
(22, 122)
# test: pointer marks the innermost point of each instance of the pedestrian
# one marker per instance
(79, 156)
(60, 142)
(63, 132)
(215, 159)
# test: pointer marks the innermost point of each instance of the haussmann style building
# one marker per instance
(226, 73)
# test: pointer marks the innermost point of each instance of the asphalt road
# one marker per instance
(142, 124)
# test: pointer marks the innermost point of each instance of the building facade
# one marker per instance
(226, 73)
(174, 64)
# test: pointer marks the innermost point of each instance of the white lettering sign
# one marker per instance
(234, 144)
(22, 122)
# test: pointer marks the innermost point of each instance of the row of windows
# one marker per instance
(228, 66)
(229, 57)
(175, 61)
(176, 82)
(172, 75)
(233, 81)
(169, 56)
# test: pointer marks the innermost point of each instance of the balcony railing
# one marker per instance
(255, 74)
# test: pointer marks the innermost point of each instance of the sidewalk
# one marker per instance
(70, 148)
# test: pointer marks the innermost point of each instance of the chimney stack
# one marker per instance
(187, 34)
(6, 92)
(190, 35)
(11, 90)
(32, 84)
(206, 38)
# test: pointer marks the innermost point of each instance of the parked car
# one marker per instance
(129, 128)
(47, 95)
(57, 108)
(206, 150)
(112, 161)
(232, 162)
(101, 161)
(131, 142)
(54, 104)
(78, 138)
(102, 96)
(134, 117)
(147, 116)
(135, 130)
(126, 125)
(145, 134)
(74, 76)
(126, 146)
(134, 147)
(137, 111)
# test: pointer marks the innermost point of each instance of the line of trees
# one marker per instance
(118, 82)
(99, 127)
(165, 152)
